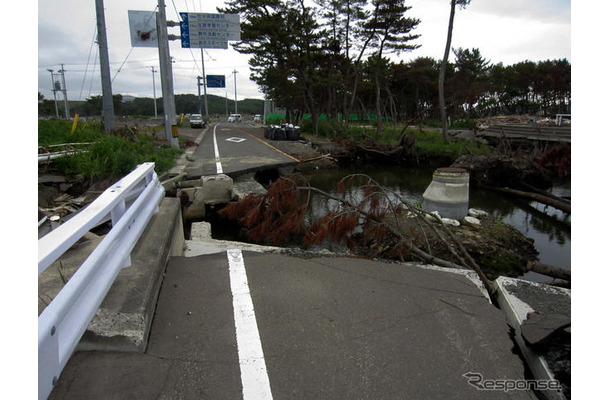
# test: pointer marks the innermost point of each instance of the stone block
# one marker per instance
(201, 231)
(216, 189)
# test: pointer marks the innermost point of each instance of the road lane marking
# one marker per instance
(217, 153)
(254, 377)
(236, 140)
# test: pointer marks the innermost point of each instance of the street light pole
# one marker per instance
(235, 84)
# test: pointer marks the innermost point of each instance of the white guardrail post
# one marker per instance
(129, 203)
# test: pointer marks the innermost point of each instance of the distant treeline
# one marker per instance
(144, 106)
(332, 58)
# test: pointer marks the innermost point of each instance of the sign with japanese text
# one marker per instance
(208, 31)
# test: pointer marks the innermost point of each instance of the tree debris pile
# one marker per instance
(379, 224)
(370, 150)
(498, 248)
(504, 170)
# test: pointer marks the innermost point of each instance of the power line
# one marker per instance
(93, 72)
(119, 70)
(87, 68)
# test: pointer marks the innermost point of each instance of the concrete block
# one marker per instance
(201, 231)
(243, 188)
(217, 189)
(193, 203)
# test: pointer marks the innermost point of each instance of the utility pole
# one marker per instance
(154, 90)
(235, 84)
(54, 89)
(167, 84)
(107, 104)
(205, 93)
(65, 91)
(199, 93)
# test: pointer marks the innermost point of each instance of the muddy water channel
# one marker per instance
(550, 228)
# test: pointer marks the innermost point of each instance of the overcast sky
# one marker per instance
(504, 31)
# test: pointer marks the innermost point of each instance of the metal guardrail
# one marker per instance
(45, 154)
(129, 204)
(535, 132)
(560, 117)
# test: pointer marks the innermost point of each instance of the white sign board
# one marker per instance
(143, 28)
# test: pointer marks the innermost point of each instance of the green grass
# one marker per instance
(431, 143)
(108, 156)
(58, 131)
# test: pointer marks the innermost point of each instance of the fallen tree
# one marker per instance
(550, 270)
(560, 205)
(369, 149)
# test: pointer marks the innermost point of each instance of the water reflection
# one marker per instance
(550, 228)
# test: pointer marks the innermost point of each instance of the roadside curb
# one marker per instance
(122, 323)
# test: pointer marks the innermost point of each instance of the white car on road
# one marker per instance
(234, 118)
(196, 121)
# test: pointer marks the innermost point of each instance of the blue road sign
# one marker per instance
(185, 38)
(215, 81)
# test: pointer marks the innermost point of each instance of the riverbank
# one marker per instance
(501, 163)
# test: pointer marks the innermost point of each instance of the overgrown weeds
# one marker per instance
(431, 143)
(110, 156)
(58, 131)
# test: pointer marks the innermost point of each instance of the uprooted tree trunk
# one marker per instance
(558, 204)
(402, 152)
(550, 270)
(280, 213)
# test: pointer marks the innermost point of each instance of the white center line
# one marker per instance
(254, 378)
(217, 154)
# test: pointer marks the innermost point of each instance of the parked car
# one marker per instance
(197, 121)
(234, 118)
(258, 118)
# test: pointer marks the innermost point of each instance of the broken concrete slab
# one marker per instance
(195, 195)
(519, 298)
(538, 328)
